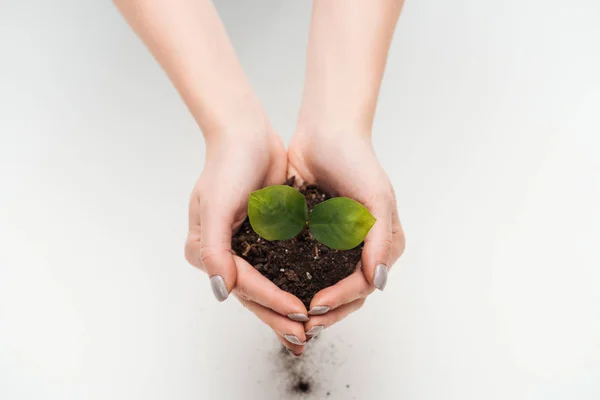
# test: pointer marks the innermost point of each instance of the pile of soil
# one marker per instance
(309, 376)
(302, 265)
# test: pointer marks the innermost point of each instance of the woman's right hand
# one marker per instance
(236, 165)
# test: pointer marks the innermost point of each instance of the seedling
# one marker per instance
(280, 213)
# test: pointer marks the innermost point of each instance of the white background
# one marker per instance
(488, 124)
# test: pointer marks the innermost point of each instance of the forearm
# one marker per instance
(189, 41)
(347, 53)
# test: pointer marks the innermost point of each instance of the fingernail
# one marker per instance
(299, 317)
(218, 287)
(380, 278)
(291, 353)
(293, 339)
(315, 330)
(319, 310)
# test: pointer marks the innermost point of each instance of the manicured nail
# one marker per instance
(299, 317)
(291, 353)
(380, 278)
(315, 330)
(293, 339)
(218, 287)
(319, 310)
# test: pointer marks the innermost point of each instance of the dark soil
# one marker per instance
(301, 266)
(302, 387)
(299, 380)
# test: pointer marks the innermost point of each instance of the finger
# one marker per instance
(317, 324)
(209, 245)
(398, 238)
(278, 165)
(298, 171)
(290, 333)
(377, 252)
(345, 291)
(293, 349)
(251, 285)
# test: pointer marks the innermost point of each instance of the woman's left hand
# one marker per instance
(345, 164)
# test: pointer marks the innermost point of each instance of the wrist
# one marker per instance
(331, 128)
(319, 113)
(238, 133)
(236, 117)
(245, 133)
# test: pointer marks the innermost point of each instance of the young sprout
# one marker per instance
(280, 212)
(277, 212)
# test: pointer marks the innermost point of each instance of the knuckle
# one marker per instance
(360, 303)
(366, 290)
(399, 243)
(242, 295)
(241, 286)
(383, 251)
(402, 244)
(196, 197)
(290, 327)
(190, 247)
(207, 255)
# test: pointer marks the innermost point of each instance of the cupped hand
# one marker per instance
(235, 166)
(344, 163)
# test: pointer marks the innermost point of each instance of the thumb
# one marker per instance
(377, 252)
(216, 256)
(209, 248)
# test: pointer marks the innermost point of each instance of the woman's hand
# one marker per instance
(235, 166)
(344, 164)
(189, 41)
(347, 51)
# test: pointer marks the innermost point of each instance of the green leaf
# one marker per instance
(277, 212)
(340, 223)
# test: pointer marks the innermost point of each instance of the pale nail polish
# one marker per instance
(293, 339)
(291, 353)
(315, 330)
(319, 310)
(380, 278)
(298, 317)
(218, 287)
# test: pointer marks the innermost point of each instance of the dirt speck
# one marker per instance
(302, 386)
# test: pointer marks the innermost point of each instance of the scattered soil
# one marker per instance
(299, 381)
(302, 265)
(309, 376)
